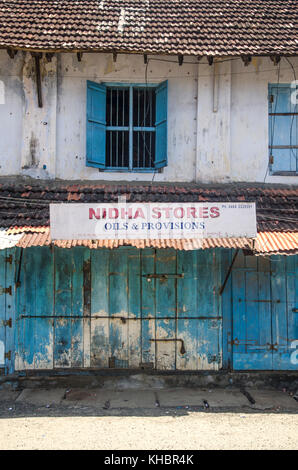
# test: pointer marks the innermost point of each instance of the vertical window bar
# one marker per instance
(151, 123)
(111, 148)
(111, 107)
(150, 157)
(144, 134)
(111, 133)
(130, 128)
(123, 124)
(117, 124)
(138, 123)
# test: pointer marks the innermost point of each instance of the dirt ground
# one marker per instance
(83, 427)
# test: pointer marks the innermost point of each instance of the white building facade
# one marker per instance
(218, 127)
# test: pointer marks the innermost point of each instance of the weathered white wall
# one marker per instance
(249, 118)
(217, 116)
(71, 116)
(38, 157)
(11, 113)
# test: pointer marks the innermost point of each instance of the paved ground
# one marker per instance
(147, 419)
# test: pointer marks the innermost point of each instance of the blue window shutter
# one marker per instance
(282, 129)
(96, 125)
(161, 128)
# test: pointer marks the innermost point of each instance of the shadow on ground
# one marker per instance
(63, 402)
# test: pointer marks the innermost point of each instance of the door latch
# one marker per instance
(272, 347)
(8, 259)
(5, 290)
(7, 355)
(7, 323)
(234, 342)
(182, 348)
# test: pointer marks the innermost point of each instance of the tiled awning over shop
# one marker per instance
(266, 242)
(277, 243)
(25, 212)
(44, 239)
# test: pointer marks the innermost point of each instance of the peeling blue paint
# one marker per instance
(78, 308)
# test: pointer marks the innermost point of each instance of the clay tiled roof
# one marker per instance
(30, 238)
(24, 204)
(266, 243)
(198, 27)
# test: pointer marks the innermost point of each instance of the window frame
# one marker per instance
(271, 116)
(130, 128)
(96, 121)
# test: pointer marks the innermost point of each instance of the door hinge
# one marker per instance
(112, 362)
(214, 358)
(7, 355)
(272, 347)
(5, 290)
(7, 323)
(271, 98)
(163, 277)
(146, 365)
(234, 342)
(271, 159)
(8, 259)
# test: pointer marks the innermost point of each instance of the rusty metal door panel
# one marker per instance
(155, 308)
(7, 309)
(50, 304)
(252, 332)
(284, 287)
(69, 307)
(187, 310)
(2, 308)
(265, 324)
(118, 308)
(166, 305)
(35, 310)
(199, 322)
(115, 309)
(124, 308)
(134, 308)
(148, 308)
(100, 324)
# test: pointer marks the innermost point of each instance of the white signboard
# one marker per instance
(152, 221)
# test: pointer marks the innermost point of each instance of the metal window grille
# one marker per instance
(283, 130)
(130, 138)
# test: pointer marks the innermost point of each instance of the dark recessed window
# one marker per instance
(283, 129)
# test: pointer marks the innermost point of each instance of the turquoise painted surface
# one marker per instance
(34, 299)
(136, 298)
(2, 308)
(129, 310)
(264, 325)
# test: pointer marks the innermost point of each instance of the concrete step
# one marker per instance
(183, 398)
(124, 379)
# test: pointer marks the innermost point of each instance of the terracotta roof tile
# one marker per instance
(198, 27)
(27, 205)
(266, 243)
